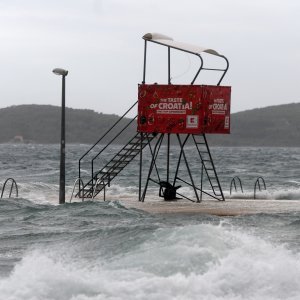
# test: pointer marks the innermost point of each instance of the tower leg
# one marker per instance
(188, 168)
(179, 158)
(168, 158)
(154, 156)
(141, 166)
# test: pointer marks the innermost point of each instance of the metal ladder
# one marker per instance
(104, 176)
(13, 184)
(208, 167)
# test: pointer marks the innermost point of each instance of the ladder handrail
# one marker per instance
(14, 183)
(257, 183)
(80, 182)
(104, 185)
(234, 183)
(99, 140)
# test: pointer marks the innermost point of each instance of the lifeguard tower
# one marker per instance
(168, 113)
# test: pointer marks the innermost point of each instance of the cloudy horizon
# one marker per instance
(100, 43)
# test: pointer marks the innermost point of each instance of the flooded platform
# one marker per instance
(231, 207)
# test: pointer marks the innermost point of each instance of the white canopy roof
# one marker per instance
(168, 41)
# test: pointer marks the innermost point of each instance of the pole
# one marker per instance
(169, 65)
(62, 176)
(168, 157)
(141, 165)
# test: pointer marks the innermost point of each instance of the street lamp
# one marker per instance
(62, 184)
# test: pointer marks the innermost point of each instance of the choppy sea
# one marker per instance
(103, 250)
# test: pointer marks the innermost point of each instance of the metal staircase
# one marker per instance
(208, 167)
(106, 174)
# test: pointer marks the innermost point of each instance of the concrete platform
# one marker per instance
(230, 207)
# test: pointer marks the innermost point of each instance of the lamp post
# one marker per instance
(62, 184)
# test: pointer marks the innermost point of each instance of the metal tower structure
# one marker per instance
(169, 112)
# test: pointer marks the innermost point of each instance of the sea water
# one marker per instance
(104, 250)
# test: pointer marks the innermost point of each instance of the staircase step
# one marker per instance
(119, 164)
(128, 155)
(130, 150)
(116, 165)
(215, 186)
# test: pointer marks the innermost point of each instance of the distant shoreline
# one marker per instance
(274, 126)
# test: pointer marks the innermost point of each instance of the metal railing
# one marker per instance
(233, 183)
(257, 184)
(103, 136)
(80, 184)
(13, 184)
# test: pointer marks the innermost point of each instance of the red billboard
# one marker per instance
(191, 109)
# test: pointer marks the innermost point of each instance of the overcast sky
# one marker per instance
(100, 43)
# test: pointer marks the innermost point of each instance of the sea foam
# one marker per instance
(202, 261)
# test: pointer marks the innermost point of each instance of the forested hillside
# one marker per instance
(41, 124)
(269, 126)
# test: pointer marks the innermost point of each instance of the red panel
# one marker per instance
(183, 109)
(217, 109)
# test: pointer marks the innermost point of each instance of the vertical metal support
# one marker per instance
(225, 71)
(188, 168)
(62, 146)
(201, 184)
(169, 65)
(200, 68)
(92, 175)
(179, 158)
(168, 158)
(154, 156)
(145, 57)
(141, 165)
(79, 173)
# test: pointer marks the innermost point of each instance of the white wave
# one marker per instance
(39, 192)
(282, 194)
(191, 262)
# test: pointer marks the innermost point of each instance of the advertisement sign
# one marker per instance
(191, 109)
(216, 109)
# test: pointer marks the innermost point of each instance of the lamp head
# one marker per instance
(59, 71)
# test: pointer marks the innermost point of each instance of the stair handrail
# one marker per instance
(109, 143)
(234, 184)
(101, 138)
(257, 183)
(13, 184)
(80, 183)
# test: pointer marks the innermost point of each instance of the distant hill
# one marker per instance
(41, 124)
(275, 126)
(269, 126)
